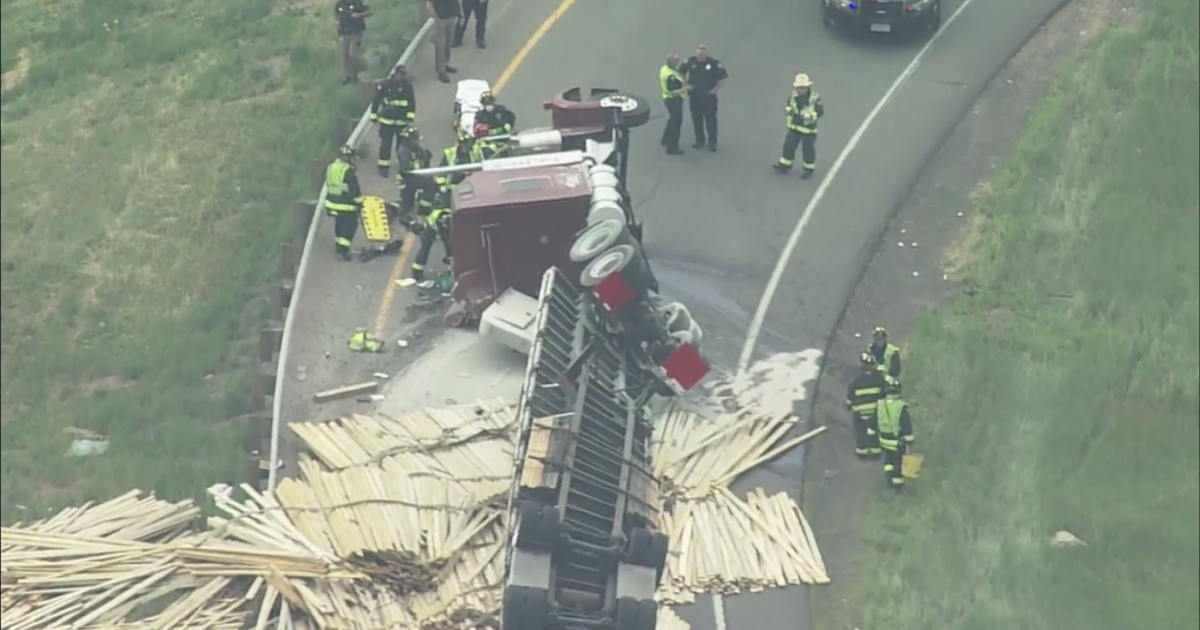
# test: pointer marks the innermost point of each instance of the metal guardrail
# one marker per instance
(289, 320)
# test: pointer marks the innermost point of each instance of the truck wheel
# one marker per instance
(636, 614)
(636, 231)
(537, 526)
(635, 111)
(647, 549)
(524, 607)
(623, 259)
(597, 238)
(605, 210)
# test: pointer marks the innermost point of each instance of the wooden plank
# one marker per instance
(346, 391)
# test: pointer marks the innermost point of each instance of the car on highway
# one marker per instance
(883, 16)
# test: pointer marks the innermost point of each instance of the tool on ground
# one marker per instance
(910, 465)
(363, 341)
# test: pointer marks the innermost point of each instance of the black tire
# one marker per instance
(599, 238)
(524, 608)
(635, 110)
(636, 231)
(537, 526)
(623, 259)
(638, 549)
(627, 614)
(647, 615)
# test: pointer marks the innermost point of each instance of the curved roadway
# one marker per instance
(716, 224)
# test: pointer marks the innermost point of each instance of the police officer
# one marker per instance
(479, 9)
(343, 199)
(394, 108)
(865, 391)
(351, 17)
(887, 356)
(895, 434)
(434, 225)
(499, 119)
(804, 108)
(673, 88)
(705, 76)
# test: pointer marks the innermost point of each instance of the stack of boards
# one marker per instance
(392, 523)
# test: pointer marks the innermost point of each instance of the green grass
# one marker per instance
(152, 150)
(1064, 394)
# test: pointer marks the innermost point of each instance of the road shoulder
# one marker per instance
(906, 275)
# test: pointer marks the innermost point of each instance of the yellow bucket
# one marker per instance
(375, 219)
(910, 465)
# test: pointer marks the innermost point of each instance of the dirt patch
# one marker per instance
(937, 214)
(15, 77)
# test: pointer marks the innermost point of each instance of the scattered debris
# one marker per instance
(1064, 538)
(916, 274)
(404, 283)
(86, 443)
(900, 244)
(346, 391)
(960, 214)
(301, 373)
(380, 376)
(913, 244)
(363, 341)
(403, 343)
(378, 397)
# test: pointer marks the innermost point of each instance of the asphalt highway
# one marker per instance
(716, 223)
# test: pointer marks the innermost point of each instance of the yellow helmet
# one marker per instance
(802, 81)
(866, 359)
(346, 151)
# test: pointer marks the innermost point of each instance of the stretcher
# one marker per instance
(467, 102)
(375, 221)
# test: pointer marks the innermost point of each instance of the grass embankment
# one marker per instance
(1063, 395)
(151, 150)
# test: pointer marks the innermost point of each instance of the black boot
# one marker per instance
(806, 174)
(781, 168)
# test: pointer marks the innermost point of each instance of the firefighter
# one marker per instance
(674, 90)
(895, 434)
(887, 356)
(864, 393)
(433, 222)
(394, 108)
(411, 156)
(499, 119)
(804, 109)
(343, 200)
(454, 155)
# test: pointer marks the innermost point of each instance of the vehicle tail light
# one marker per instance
(685, 366)
(614, 293)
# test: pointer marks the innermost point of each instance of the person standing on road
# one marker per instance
(887, 356)
(862, 398)
(343, 200)
(434, 225)
(478, 8)
(804, 109)
(673, 88)
(705, 76)
(351, 16)
(445, 14)
(895, 434)
(394, 109)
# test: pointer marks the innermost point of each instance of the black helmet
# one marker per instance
(880, 332)
(893, 387)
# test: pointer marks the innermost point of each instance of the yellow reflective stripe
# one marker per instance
(867, 390)
(417, 266)
(396, 102)
(864, 407)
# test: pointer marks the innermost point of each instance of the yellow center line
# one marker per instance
(399, 270)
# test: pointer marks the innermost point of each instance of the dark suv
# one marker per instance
(884, 16)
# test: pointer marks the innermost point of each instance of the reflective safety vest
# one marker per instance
(889, 353)
(803, 119)
(665, 74)
(888, 414)
(337, 191)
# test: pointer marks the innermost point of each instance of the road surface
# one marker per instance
(716, 223)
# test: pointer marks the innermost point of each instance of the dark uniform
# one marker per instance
(410, 156)
(343, 199)
(499, 119)
(804, 109)
(672, 84)
(865, 391)
(895, 435)
(394, 108)
(703, 76)
(351, 24)
(433, 220)
(478, 8)
(887, 356)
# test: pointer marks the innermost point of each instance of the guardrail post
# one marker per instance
(316, 174)
(266, 373)
(366, 93)
(396, 47)
(289, 260)
(269, 339)
(303, 216)
(343, 127)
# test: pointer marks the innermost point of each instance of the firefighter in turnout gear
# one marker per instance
(864, 393)
(499, 119)
(458, 153)
(343, 199)
(804, 109)
(411, 156)
(895, 434)
(887, 356)
(394, 109)
(433, 223)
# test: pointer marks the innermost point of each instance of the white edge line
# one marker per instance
(764, 304)
(760, 314)
(290, 318)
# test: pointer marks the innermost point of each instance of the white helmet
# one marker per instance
(802, 81)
